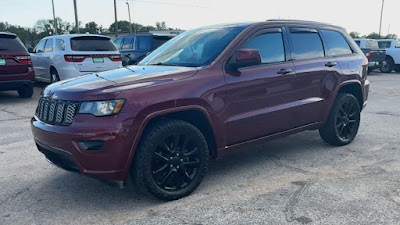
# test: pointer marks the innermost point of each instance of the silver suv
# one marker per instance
(62, 57)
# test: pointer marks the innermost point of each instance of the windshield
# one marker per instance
(193, 48)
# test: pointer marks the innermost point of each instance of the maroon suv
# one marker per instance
(16, 72)
(202, 94)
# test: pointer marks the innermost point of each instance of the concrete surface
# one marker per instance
(294, 180)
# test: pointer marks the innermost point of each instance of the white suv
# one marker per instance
(62, 57)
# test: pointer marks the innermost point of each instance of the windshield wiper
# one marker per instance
(162, 64)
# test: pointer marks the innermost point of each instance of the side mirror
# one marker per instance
(247, 57)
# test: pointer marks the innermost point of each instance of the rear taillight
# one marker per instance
(115, 58)
(24, 59)
(368, 54)
(74, 58)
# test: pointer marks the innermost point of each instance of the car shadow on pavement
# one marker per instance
(65, 189)
(11, 97)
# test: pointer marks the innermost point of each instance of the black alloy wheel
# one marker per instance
(171, 160)
(343, 121)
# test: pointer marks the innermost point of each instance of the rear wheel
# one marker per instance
(343, 121)
(54, 76)
(387, 66)
(25, 92)
(171, 160)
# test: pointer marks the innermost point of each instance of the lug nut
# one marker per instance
(170, 158)
(171, 166)
(177, 167)
(181, 160)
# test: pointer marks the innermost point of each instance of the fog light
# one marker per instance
(92, 145)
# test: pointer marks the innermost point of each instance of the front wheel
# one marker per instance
(343, 121)
(171, 159)
(25, 92)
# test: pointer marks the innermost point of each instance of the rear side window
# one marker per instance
(384, 44)
(10, 43)
(159, 40)
(358, 43)
(117, 43)
(306, 45)
(49, 45)
(144, 43)
(127, 43)
(270, 46)
(336, 44)
(92, 43)
(60, 45)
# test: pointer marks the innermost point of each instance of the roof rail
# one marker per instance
(299, 21)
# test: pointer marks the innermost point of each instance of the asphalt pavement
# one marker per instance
(294, 180)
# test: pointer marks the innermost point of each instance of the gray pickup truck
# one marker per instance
(375, 55)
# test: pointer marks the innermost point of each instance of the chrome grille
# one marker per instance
(56, 112)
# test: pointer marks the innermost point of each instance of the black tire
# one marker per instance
(343, 121)
(171, 160)
(54, 76)
(387, 66)
(25, 92)
(397, 68)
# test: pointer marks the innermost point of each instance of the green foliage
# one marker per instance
(354, 34)
(45, 27)
(373, 35)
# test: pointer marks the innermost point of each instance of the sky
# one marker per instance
(355, 15)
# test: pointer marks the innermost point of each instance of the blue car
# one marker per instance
(134, 47)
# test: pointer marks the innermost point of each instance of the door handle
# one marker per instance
(330, 64)
(284, 71)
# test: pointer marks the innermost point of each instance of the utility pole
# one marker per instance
(380, 25)
(130, 21)
(76, 18)
(54, 18)
(116, 19)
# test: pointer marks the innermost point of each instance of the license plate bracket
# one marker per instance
(98, 60)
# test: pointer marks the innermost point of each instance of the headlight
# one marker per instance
(102, 108)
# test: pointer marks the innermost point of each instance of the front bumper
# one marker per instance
(60, 145)
(15, 85)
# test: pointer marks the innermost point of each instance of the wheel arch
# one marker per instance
(195, 115)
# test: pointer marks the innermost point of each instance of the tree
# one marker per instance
(92, 28)
(123, 26)
(354, 34)
(390, 36)
(373, 35)
(161, 25)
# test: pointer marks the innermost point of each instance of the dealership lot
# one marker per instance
(298, 179)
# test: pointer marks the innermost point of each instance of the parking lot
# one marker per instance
(298, 179)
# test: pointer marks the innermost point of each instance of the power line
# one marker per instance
(167, 3)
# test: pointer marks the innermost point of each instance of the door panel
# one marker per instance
(314, 84)
(259, 102)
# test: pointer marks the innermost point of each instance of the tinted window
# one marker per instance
(49, 45)
(270, 46)
(384, 44)
(144, 43)
(9, 43)
(127, 43)
(358, 43)
(336, 44)
(159, 40)
(60, 45)
(92, 44)
(40, 47)
(306, 45)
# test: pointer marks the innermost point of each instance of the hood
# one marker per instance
(108, 84)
